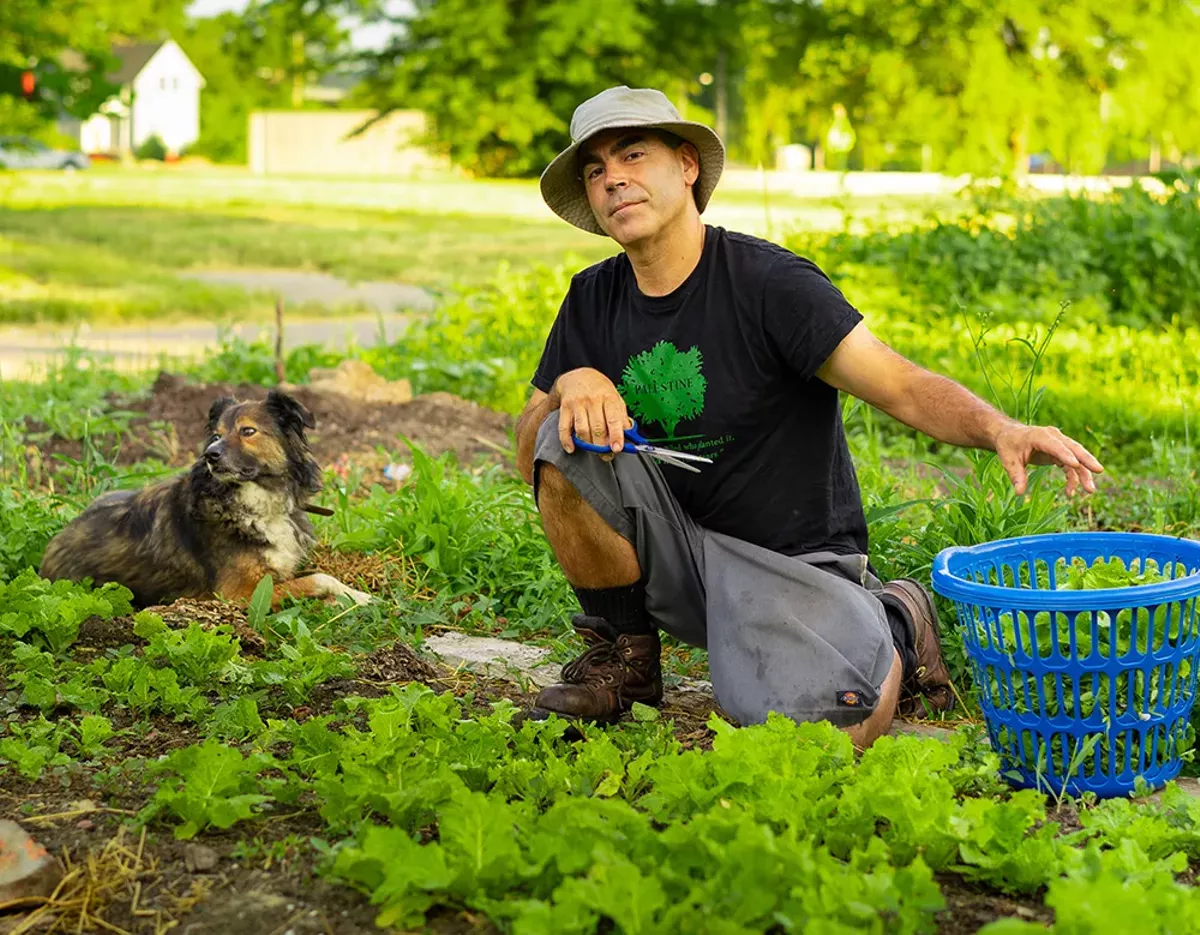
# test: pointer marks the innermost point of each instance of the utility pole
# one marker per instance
(722, 100)
(297, 69)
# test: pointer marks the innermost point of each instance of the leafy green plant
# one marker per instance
(260, 603)
(46, 686)
(51, 612)
(236, 720)
(477, 533)
(201, 655)
(27, 523)
(1124, 890)
(146, 688)
(94, 730)
(31, 747)
(208, 785)
(1129, 252)
(305, 663)
(776, 821)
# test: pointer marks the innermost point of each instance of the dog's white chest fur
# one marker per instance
(265, 516)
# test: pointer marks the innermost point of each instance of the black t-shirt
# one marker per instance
(725, 366)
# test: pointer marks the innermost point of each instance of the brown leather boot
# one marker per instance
(931, 678)
(615, 671)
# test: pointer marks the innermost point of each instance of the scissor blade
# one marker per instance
(672, 458)
(667, 459)
(671, 453)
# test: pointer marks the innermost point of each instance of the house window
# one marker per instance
(162, 84)
(174, 84)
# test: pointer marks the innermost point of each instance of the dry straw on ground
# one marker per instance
(95, 885)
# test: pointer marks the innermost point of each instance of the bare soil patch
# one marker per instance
(168, 425)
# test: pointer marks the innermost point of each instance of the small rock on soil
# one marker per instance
(27, 870)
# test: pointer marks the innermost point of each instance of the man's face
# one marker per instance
(636, 183)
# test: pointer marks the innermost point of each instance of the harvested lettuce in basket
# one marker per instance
(1133, 627)
(1095, 637)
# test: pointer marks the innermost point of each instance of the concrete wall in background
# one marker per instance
(317, 143)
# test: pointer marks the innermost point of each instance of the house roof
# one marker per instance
(133, 60)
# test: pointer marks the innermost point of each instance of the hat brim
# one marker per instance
(564, 192)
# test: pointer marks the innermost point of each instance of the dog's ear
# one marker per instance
(290, 415)
(216, 409)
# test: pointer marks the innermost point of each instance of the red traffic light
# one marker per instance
(27, 83)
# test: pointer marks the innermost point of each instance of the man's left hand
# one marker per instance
(1020, 445)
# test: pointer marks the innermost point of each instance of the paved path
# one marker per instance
(26, 351)
(296, 287)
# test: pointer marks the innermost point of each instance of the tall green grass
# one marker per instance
(1117, 389)
(1128, 258)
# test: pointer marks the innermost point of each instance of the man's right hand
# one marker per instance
(590, 407)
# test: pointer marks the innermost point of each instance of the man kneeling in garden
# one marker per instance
(727, 346)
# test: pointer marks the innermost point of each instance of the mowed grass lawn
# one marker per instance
(106, 245)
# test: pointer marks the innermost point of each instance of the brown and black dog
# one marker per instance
(237, 515)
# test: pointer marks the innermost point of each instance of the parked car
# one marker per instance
(21, 152)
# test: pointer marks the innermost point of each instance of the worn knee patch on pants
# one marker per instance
(787, 635)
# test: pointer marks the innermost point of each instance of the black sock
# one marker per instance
(624, 607)
(902, 639)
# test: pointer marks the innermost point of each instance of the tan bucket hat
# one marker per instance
(562, 187)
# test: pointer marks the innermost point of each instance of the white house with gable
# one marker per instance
(159, 95)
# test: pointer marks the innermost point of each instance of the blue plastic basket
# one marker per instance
(1065, 709)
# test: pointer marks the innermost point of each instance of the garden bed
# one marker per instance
(167, 424)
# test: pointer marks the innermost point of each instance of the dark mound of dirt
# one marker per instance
(970, 906)
(169, 425)
(397, 662)
(211, 613)
(96, 634)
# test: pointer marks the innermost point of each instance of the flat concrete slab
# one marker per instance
(486, 655)
(921, 729)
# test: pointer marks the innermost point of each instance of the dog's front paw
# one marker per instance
(331, 589)
(359, 597)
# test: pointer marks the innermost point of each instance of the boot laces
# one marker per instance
(599, 655)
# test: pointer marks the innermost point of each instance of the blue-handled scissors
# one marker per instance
(636, 444)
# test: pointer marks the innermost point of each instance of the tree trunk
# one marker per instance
(1018, 147)
(1155, 155)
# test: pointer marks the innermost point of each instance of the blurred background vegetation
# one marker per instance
(961, 86)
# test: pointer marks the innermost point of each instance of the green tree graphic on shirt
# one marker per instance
(662, 385)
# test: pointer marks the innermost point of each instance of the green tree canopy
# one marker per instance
(499, 79)
(965, 85)
(37, 35)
